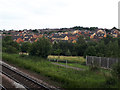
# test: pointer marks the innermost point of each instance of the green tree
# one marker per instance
(41, 48)
(112, 49)
(90, 51)
(107, 39)
(11, 49)
(80, 46)
(81, 40)
(8, 44)
(100, 49)
(25, 46)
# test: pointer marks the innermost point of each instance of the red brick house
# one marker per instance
(19, 40)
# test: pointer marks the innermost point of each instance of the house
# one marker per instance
(19, 40)
(74, 41)
(72, 37)
(76, 31)
(60, 37)
(98, 35)
(114, 33)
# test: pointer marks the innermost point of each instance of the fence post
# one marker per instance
(66, 63)
(92, 60)
(100, 62)
(117, 60)
(86, 60)
(108, 63)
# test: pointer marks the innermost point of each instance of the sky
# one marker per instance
(39, 14)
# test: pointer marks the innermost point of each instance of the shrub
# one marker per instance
(23, 55)
(41, 48)
(110, 80)
(94, 67)
(11, 49)
(83, 63)
(116, 70)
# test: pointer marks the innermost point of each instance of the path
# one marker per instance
(80, 69)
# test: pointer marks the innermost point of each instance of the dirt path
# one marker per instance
(80, 69)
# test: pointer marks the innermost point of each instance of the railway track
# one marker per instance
(26, 81)
(2, 87)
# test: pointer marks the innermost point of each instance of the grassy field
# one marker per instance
(69, 58)
(76, 65)
(77, 62)
(68, 77)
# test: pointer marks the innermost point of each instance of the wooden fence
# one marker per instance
(101, 61)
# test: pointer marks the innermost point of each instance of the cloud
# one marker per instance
(20, 14)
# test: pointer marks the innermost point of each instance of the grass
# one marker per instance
(68, 77)
(69, 58)
(78, 65)
(76, 61)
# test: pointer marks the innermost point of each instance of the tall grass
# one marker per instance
(68, 77)
(69, 58)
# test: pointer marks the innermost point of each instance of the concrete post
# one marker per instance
(100, 61)
(66, 63)
(92, 60)
(86, 60)
(108, 63)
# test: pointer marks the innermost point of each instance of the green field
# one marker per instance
(68, 77)
(76, 65)
(68, 58)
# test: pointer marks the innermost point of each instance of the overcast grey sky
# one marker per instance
(35, 14)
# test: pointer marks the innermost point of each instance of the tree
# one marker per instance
(100, 49)
(107, 39)
(114, 28)
(80, 40)
(7, 38)
(80, 49)
(58, 52)
(116, 70)
(11, 49)
(68, 53)
(25, 47)
(115, 49)
(41, 48)
(8, 44)
(90, 51)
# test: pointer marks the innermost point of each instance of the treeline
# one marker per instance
(41, 48)
(107, 47)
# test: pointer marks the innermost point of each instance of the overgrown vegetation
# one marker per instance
(40, 48)
(113, 79)
(107, 47)
(116, 71)
(68, 77)
(9, 46)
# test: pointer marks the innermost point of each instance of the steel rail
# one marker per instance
(28, 78)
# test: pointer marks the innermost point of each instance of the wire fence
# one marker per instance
(102, 61)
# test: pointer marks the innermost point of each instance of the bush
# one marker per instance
(23, 55)
(116, 70)
(94, 67)
(83, 63)
(41, 48)
(110, 80)
(11, 49)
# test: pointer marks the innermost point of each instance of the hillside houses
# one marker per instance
(98, 35)
(69, 35)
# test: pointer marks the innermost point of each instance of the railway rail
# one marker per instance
(2, 87)
(22, 79)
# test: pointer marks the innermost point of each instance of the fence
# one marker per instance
(101, 61)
